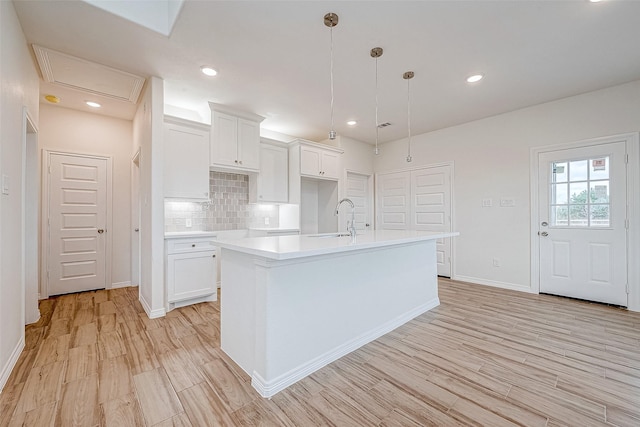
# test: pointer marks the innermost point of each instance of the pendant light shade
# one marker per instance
(376, 53)
(331, 20)
(408, 76)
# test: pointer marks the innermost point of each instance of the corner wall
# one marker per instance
(19, 88)
(492, 161)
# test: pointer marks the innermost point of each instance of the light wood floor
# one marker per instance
(483, 357)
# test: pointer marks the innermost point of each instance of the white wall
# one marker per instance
(358, 156)
(19, 88)
(72, 131)
(492, 160)
(147, 136)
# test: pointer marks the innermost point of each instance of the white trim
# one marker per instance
(494, 283)
(270, 388)
(27, 122)
(46, 154)
(11, 363)
(120, 285)
(632, 142)
(152, 314)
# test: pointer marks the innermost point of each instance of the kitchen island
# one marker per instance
(293, 304)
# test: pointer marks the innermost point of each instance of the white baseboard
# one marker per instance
(120, 285)
(270, 388)
(11, 363)
(494, 283)
(152, 314)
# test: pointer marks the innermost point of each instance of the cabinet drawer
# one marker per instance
(177, 246)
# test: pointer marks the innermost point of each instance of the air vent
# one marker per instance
(384, 125)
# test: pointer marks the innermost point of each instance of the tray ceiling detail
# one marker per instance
(80, 74)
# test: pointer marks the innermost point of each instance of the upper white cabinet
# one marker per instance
(271, 184)
(186, 165)
(319, 162)
(235, 139)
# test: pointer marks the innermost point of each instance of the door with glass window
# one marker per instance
(582, 230)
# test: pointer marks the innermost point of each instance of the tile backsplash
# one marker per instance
(228, 208)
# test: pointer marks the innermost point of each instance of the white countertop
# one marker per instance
(182, 234)
(274, 229)
(291, 247)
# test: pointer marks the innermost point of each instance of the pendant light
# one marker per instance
(376, 53)
(331, 20)
(408, 76)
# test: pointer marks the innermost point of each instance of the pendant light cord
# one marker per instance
(409, 117)
(331, 52)
(377, 124)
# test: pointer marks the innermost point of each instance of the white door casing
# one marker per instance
(76, 222)
(431, 209)
(358, 189)
(582, 231)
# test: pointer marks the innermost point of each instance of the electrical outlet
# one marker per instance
(507, 202)
(487, 203)
(496, 262)
(187, 222)
(266, 220)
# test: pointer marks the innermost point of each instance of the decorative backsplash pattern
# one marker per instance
(227, 209)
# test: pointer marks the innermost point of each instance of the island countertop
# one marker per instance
(300, 246)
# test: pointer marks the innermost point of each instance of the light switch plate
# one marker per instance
(187, 222)
(6, 184)
(507, 202)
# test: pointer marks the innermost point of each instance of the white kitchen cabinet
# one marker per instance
(191, 270)
(319, 162)
(235, 139)
(186, 165)
(271, 184)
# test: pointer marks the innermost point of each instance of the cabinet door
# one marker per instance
(186, 166)
(309, 161)
(224, 145)
(273, 179)
(248, 144)
(191, 275)
(330, 165)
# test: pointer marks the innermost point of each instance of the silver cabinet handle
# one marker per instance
(100, 231)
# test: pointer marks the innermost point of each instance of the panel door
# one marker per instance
(431, 209)
(357, 189)
(273, 179)
(330, 165)
(309, 161)
(394, 201)
(77, 223)
(582, 230)
(224, 139)
(191, 275)
(186, 165)
(248, 144)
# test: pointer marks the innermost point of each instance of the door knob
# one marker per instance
(136, 230)
(543, 233)
(100, 231)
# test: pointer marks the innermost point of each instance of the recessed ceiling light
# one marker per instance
(595, 1)
(208, 71)
(474, 78)
(352, 123)
(52, 99)
(92, 104)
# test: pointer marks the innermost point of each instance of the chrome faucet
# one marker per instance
(351, 225)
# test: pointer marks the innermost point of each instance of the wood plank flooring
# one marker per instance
(483, 357)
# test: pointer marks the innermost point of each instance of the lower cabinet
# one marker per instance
(191, 271)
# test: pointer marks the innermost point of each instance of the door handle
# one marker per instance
(543, 233)
(136, 230)
(100, 231)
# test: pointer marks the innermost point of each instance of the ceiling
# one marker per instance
(273, 57)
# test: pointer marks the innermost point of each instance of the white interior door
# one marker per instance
(431, 209)
(393, 198)
(582, 230)
(77, 213)
(357, 189)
